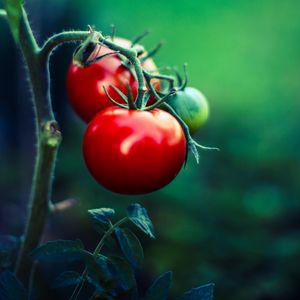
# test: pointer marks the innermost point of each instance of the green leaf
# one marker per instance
(138, 215)
(110, 284)
(99, 227)
(14, 13)
(108, 267)
(66, 279)
(97, 273)
(131, 246)
(204, 292)
(127, 280)
(59, 250)
(110, 242)
(160, 288)
(102, 214)
(11, 288)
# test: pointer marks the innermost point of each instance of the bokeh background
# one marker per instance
(234, 219)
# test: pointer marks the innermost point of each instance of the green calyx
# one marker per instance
(82, 56)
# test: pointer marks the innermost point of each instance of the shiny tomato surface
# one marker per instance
(85, 86)
(133, 152)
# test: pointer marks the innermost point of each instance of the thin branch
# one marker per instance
(63, 37)
(64, 205)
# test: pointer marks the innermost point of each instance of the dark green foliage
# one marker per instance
(11, 288)
(110, 242)
(66, 278)
(107, 274)
(99, 276)
(108, 266)
(160, 288)
(102, 214)
(125, 271)
(131, 246)
(99, 227)
(96, 272)
(60, 250)
(126, 295)
(138, 215)
(204, 292)
(110, 284)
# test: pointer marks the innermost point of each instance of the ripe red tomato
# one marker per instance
(132, 151)
(85, 86)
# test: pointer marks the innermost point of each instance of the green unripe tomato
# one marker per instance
(191, 106)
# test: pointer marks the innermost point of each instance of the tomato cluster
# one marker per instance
(131, 151)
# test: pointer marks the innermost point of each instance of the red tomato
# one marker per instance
(85, 88)
(132, 151)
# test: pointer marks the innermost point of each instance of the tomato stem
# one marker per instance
(48, 140)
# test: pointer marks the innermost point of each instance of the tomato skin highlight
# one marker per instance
(85, 86)
(133, 152)
(192, 107)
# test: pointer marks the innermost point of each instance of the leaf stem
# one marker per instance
(96, 252)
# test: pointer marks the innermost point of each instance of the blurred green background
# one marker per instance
(235, 218)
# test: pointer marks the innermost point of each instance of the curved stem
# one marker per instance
(97, 250)
(63, 37)
(3, 14)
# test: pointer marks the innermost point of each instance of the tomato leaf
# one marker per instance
(11, 288)
(110, 242)
(131, 246)
(108, 266)
(138, 215)
(66, 279)
(14, 13)
(160, 288)
(102, 214)
(99, 227)
(59, 250)
(110, 284)
(97, 272)
(127, 280)
(204, 292)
